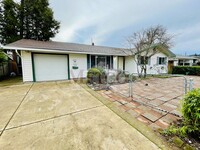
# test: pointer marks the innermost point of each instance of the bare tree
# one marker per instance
(144, 44)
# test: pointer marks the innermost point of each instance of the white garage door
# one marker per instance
(50, 67)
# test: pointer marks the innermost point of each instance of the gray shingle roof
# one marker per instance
(61, 46)
(184, 57)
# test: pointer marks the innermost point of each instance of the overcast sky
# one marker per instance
(108, 22)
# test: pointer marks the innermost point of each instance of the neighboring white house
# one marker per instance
(46, 61)
(183, 60)
(158, 63)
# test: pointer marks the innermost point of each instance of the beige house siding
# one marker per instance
(27, 69)
(79, 61)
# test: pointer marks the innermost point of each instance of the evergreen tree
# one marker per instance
(21, 17)
(38, 22)
(29, 19)
(9, 31)
(1, 19)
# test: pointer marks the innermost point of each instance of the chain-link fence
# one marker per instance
(160, 92)
(156, 83)
(125, 84)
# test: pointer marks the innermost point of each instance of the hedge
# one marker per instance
(96, 75)
(191, 112)
(186, 70)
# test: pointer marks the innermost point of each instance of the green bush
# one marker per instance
(191, 112)
(94, 75)
(186, 70)
(3, 57)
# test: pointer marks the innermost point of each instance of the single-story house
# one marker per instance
(46, 61)
(197, 57)
(180, 60)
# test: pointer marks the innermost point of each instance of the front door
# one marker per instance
(101, 61)
(170, 66)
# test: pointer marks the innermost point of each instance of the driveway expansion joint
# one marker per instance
(55, 117)
(16, 109)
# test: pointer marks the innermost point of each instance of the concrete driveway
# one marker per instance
(62, 115)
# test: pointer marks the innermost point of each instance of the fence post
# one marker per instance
(107, 84)
(130, 85)
(191, 84)
(185, 85)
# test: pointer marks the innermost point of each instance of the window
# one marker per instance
(184, 62)
(101, 61)
(93, 61)
(180, 62)
(161, 60)
(144, 60)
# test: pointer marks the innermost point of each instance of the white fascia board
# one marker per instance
(56, 51)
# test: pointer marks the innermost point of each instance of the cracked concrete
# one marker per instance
(62, 115)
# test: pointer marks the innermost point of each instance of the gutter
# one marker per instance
(57, 51)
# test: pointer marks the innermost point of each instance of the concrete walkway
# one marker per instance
(156, 101)
(62, 115)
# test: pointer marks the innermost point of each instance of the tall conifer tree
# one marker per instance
(29, 19)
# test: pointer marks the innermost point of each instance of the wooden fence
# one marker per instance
(4, 69)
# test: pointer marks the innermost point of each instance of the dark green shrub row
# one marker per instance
(186, 70)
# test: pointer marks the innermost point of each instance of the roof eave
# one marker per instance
(58, 51)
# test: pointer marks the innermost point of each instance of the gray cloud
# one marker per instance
(102, 19)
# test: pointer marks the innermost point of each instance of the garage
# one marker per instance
(48, 67)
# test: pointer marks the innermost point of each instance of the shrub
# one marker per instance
(94, 75)
(3, 57)
(191, 112)
(102, 71)
(103, 75)
(186, 70)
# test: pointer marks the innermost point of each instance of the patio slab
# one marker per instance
(157, 94)
(150, 117)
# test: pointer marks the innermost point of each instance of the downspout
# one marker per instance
(18, 53)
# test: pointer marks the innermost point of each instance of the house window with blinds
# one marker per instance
(161, 60)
